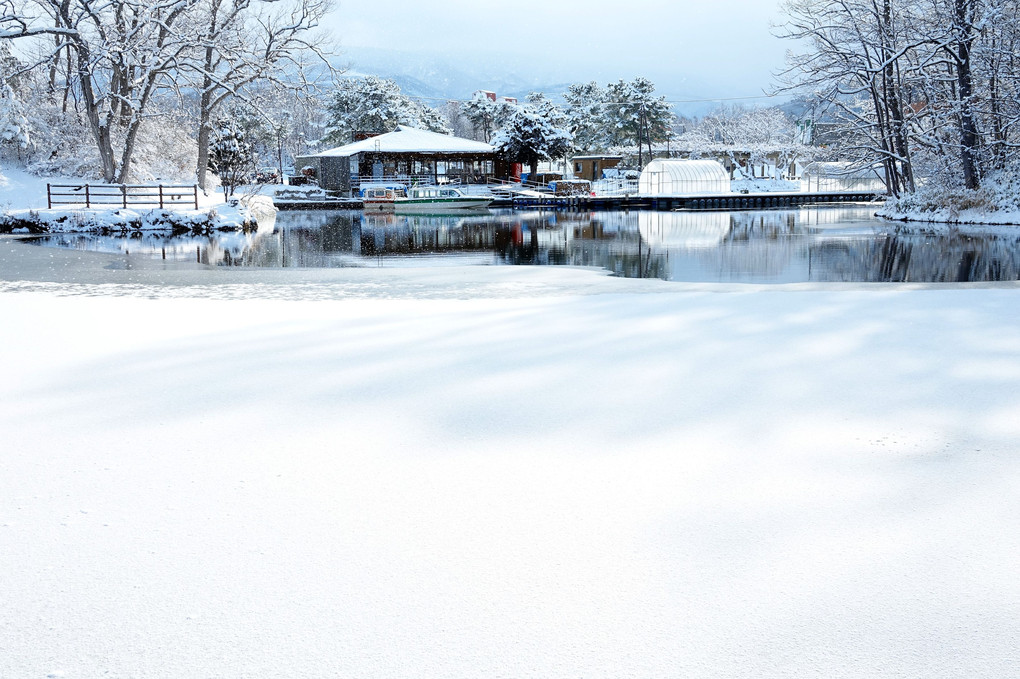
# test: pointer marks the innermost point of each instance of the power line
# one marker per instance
(617, 103)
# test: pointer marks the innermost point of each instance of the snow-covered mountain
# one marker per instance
(444, 76)
(456, 76)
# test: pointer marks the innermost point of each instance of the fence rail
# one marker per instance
(124, 195)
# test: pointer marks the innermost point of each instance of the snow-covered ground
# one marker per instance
(501, 472)
(480, 471)
(996, 202)
(23, 201)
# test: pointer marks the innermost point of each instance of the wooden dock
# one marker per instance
(736, 201)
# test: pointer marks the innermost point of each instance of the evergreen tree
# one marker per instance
(586, 116)
(15, 129)
(634, 115)
(529, 137)
(373, 104)
(231, 156)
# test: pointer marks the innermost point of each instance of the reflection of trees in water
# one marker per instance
(951, 258)
(787, 245)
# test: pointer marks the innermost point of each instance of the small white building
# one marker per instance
(668, 177)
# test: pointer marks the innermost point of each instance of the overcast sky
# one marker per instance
(719, 46)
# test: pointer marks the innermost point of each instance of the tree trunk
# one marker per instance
(969, 139)
(206, 104)
(204, 132)
(100, 128)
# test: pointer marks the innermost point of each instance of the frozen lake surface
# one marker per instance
(388, 470)
(816, 244)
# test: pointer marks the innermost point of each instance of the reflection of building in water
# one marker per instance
(670, 230)
(423, 234)
(825, 216)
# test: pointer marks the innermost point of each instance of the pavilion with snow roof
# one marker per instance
(406, 156)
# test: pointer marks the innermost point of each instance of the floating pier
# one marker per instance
(735, 201)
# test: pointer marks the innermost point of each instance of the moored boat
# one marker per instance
(379, 199)
(439, 199)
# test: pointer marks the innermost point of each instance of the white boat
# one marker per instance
(379, 199)
(439, 199)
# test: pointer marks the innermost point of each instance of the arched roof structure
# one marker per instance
(837, 176)
(668, 177)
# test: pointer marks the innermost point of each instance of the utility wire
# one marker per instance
(617, 103)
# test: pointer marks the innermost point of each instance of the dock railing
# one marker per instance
(123, 195)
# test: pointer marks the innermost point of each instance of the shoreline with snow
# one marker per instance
(23, 210)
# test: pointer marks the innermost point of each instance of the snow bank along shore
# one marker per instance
(996, 202)
(22, 197)
(501, 472)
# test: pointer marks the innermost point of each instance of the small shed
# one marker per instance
(592, 167)
(668, 177)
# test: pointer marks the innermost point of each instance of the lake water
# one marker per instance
(844, 243)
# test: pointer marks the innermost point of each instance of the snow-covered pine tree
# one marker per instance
(635, 116)
(529, 137)
(231, 156)
(586, 116)
(15, 129)
(373, 104)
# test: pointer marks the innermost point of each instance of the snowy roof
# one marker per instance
(411, 140)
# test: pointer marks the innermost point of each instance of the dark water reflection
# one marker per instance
(810, 244)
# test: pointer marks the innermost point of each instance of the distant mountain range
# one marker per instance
(443, 77)
(437, 78)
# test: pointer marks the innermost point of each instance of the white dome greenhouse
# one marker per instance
(683, 178)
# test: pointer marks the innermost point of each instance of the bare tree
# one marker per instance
(919, 85)
(248, 42)
(123, 52)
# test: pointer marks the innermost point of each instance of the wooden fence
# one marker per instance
(124, 195)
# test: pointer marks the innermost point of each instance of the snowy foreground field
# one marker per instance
(488, 472)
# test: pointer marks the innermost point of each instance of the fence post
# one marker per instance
(160, 196)
(88, 202)
(194, 188)
(123, 194)
(49, 198)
